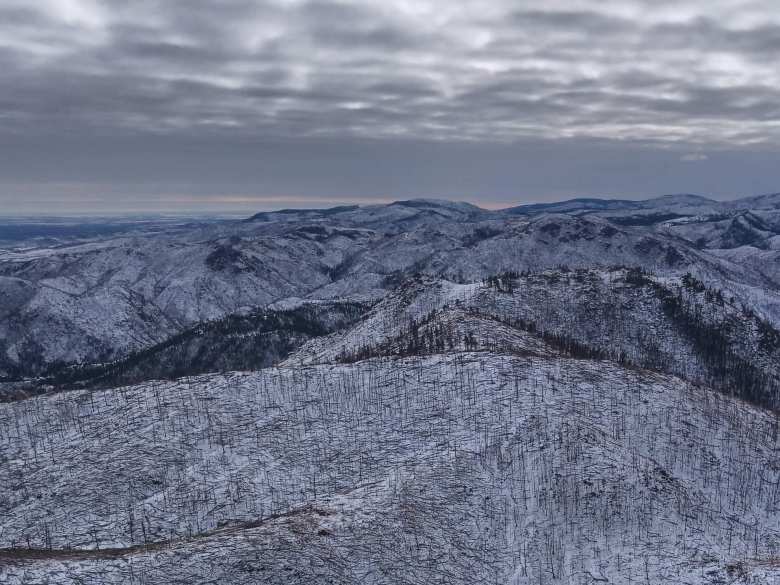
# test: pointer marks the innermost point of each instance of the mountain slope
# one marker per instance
(443, 395)
(458, 469)
(684, 203)
(678, 326)
(236, 342)
(100, 301)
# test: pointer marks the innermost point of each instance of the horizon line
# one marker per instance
(310, 203)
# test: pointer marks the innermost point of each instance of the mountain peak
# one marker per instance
(437, 203)
(681, 198)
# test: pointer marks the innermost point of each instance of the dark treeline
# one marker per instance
(235, 342)
(714, 343)
(730, 372)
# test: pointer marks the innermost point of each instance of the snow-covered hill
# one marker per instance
(464, 468)
(99, 300)
(235, 342)
(675, 325)
(434, 393)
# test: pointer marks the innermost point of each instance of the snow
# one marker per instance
(460, 468)
(495, 457)
(98, 300)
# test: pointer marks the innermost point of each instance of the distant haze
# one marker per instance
(239, 106)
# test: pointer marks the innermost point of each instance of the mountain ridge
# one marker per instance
(419, 392)
(102, 299)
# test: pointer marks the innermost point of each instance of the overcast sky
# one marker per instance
(243, 105)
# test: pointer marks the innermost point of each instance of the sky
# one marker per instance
(239, 105)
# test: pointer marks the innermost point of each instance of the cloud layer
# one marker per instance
(703, 72)
(287, 79)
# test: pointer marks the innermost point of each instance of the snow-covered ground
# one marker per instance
(616, 313)
(98, 300)
(576, 424)
(463, 468)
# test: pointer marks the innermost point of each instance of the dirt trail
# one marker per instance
(8, 555)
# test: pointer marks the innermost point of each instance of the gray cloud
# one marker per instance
(682, 75)
(464, 71)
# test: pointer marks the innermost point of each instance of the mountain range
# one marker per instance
(99, 299)
(425, 391)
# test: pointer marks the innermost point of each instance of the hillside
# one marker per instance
(235, 342)
(674, 325)
(100, 300)
(422, 393)
(440, 469)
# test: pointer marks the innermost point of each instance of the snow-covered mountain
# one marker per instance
(665, 204)
(235, 342)
(675, 325)
(100, 300)
(458, 467)
(420, 392)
